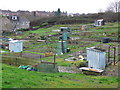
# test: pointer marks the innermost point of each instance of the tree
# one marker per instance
(100, 11)
(112, 12)
(110, 16)
(58, 12)
(114, 7)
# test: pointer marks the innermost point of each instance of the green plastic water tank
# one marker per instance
(64, 29)
(60, 44)
(62, 48)
(65, 36)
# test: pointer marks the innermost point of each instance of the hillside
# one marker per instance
(33, 49)
(12, 77)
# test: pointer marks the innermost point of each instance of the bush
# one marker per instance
(45, 24)
(80, 63)
(43, 37)
(20, 29)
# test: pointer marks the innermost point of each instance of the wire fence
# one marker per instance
(18, 60)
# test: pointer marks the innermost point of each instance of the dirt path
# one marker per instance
(112, 70)
(68, 69)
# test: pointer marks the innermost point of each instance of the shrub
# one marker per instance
(43, 37)
(20, 29)
(45, 24)
(80, 63)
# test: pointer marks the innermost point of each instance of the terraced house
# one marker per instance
(13, 23)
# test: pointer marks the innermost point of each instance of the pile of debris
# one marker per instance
(28, 67)
(75, 59)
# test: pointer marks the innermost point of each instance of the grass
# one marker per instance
(12, 77)
(109, 28)
(38, 32)
(33, 52)
(4, 50)
(41, 47)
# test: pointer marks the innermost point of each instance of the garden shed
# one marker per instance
(15, 46)
(96, 58)
(99, 22)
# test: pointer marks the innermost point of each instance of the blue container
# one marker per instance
(106, 40)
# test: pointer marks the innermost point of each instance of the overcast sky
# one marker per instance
(71, 6)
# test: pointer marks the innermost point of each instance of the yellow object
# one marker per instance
(48, 54)
(93, 69)
(81, 57)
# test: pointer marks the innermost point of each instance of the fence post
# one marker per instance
(62, 47)
(16, 61)
(54, 60)
(40, 58)
(21, 54)
(114, 54)
(108, 54)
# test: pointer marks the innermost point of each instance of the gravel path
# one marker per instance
(68, 69)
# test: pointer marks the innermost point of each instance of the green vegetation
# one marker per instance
(17, 78)
(40, 48)
(12, 77)
(33, 52)
(93, 32)
(35, 33)
(4, 50)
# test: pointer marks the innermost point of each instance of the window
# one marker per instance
(14, 17)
